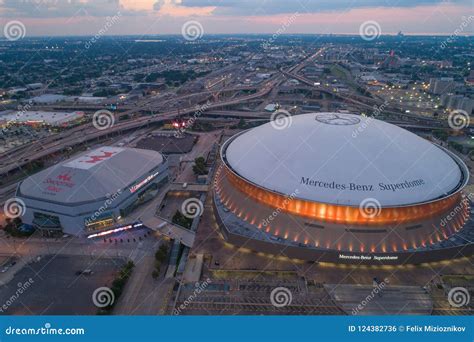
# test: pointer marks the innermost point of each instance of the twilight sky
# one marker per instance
(87, 17)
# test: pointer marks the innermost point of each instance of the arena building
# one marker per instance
(342, 188)
(92, 192)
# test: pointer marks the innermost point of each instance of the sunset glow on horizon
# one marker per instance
(85, 17)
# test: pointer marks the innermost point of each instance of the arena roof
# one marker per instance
(344, 159)
(92, 176)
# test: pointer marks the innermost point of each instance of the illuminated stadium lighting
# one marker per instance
(115, 230)
(335, 180)
(143, 182)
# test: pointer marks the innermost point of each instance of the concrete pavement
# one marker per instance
(389, 300)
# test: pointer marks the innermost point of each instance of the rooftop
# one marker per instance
(91, 176)
(344, 159)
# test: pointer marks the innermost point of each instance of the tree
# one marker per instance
(161, 253)
(155, 274)
(117, 286)
(199, 166)
(440, 134)
(182, 220)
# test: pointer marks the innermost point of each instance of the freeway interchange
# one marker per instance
(17, 158)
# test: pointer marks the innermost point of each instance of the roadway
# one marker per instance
(19, 157)
(87, 132)
(368, 103)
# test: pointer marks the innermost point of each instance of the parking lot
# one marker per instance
(167, 144)
(254, 298)
(54, 285)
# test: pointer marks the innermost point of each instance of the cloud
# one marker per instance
(158, 5)
(103, 8)
(62, 8)
(271, 7)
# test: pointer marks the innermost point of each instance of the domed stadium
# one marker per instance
(331, 182)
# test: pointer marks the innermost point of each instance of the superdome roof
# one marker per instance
(91, 176)
(344, 159)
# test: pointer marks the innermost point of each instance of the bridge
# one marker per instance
(238, 114)
(169, 229)
(189, 187)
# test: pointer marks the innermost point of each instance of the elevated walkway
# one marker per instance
(189, 187)
(173, 231)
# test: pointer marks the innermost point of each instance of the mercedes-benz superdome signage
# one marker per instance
(363, 197)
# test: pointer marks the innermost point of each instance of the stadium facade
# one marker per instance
(92, 192)
(341, 188)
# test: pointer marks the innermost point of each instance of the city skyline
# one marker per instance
(151, 17)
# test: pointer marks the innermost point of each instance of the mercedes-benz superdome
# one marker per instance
(347, 184)
(92, 192)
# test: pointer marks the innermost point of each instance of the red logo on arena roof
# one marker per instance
(59, 183)
(66, 177)
(98, 158)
